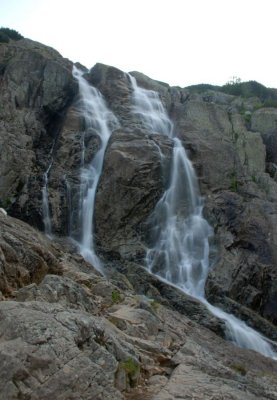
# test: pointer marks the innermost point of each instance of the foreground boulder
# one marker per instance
(25, 256)
(72, 333)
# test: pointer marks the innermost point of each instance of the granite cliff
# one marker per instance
(67, 331)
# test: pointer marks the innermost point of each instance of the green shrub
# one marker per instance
(132, 371)
(130, 366)
(267, 96)
(4, 38)
(116, 296)
(6, 34)
(202, 87)
(247, 117)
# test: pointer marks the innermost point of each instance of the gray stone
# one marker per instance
(72, 333)
(264, 120)
(132, 179)
(26, 256)
(48, 351)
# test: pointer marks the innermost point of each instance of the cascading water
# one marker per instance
(99, 120)
(69, 205)
(148, 107)
(45, 199)
(45, 207)
(179, 250)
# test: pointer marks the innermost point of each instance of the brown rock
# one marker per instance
(25, 255)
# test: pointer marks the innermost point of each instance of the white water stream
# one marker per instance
(45, 198)
(148, 106)
(101, 121)
(179, 252)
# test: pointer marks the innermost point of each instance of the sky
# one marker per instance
(180, 42)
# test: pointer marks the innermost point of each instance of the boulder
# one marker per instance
(25, 255)
(49, 351)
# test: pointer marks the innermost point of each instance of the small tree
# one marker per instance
(6, 34)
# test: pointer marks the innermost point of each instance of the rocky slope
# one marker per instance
(67, 331)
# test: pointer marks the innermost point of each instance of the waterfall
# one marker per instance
(45, 198)
(149, 108)
(69, 205)
(45, 207)
(100, 122)
(179, 248)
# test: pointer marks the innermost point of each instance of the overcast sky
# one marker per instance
(181, 42)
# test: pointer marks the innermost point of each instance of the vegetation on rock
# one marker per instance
(267, 96)
(6, 34)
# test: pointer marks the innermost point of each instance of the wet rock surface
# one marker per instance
(66, 331)
(134, 161)
(230, 158)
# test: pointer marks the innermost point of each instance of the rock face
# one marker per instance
(68, 332)
(79, 335)
(240, 200)
(36, 87)
(24, 256)
(231, 163)
(133, 159)
(265, 121)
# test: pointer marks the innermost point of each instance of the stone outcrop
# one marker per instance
(24, 256)
(265, 121)
(133, 160)
(36, 87)
(79, 335)
(68, 332)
